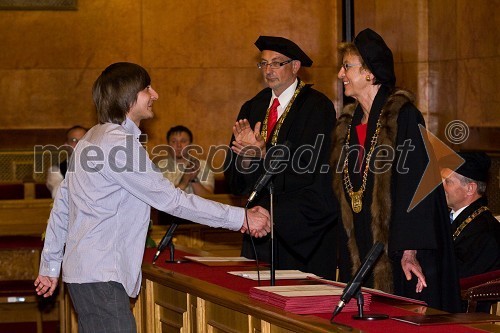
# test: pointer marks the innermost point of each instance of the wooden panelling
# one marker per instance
(200, 54)
(447, 54)
(220, 309)
(201, 58)
(24, 217)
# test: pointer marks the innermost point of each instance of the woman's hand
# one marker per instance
(410, 264)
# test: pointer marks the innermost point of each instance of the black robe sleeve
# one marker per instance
(410, 229)
(426, 227)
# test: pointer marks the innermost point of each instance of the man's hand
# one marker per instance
(259, 221)
(191, 170)
(248, 142)
(410, 265)
(45, 285)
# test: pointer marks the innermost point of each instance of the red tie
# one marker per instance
(273, 117)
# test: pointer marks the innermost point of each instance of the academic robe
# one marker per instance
(477, 247)
(305, 210)
(385, 214)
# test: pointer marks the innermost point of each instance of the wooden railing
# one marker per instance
(24, 217)
(29, 216)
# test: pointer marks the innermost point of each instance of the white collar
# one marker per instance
(285, 97)
(455, 214)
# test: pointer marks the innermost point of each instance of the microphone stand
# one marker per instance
(373, 316)
(271, 213)
(353, 288)
(171, 247)
(167, 240)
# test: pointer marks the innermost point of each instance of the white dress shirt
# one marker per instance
(97, 227)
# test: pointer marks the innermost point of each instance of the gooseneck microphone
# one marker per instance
(354, 286)
(274, 163)
(165, 241)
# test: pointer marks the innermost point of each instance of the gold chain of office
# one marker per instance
(469, 220)
(277, 127)
(357, 196)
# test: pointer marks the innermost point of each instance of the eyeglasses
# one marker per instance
(346, 66)
(273, 65)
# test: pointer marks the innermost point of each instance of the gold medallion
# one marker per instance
(356, 201)
(357, 197)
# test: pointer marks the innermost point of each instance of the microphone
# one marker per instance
(167, 238)
(354, 286)
(272, 165)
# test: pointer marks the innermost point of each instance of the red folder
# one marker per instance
(306, 299)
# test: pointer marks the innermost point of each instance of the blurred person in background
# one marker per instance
(56, 173)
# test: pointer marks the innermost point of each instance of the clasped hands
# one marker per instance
(259, 222)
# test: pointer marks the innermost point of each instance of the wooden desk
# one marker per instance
(24, 217)
(174, 301)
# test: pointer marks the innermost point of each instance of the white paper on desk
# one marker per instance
(279, 275)
(223, 259)
(304, 290)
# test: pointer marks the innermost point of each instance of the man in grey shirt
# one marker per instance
(98, 224)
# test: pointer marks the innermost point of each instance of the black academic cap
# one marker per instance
(377, 56)
(285, 47)
(476, 166)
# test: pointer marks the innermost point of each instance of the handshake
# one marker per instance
(258, 223)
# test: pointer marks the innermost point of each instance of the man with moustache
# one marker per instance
(288, 110)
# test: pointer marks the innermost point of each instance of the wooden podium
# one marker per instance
(174, 299)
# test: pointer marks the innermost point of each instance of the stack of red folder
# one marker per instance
(306, 299)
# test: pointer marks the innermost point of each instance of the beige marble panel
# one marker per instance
(397, 23)
(478, 96)
(325, 80)
(442, 98)
(365, 15)
(208, 101)
(98, 33)
(55, 98)
(222, 33)
(443, 22)
(201, 55)
(205, 100)
(478, 33)
(423, 82)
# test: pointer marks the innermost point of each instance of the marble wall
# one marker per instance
(447, 52)
(201, 57)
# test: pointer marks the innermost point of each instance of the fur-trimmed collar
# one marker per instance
(381, 196)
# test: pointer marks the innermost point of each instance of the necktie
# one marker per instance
(273, 117)
(451, 217)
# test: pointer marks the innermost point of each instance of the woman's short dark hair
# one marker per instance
(115, 91)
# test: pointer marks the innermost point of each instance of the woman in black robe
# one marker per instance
(379, 159)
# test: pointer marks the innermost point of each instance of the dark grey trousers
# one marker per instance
(102, 307)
